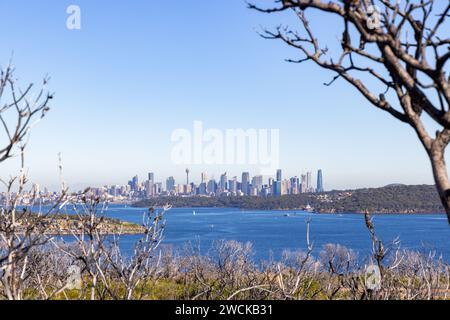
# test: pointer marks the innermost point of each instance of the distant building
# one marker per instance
(257, 182)
(185, 189)
(232, 185)
(276, 188)
(279, 175)
(309, 186)
(320, 182)
(170, 184)
(134, 183)
(204, 177)
(157, 188)
(254, 191)
(245, 183)
(294, 187)
(285, 187)
(212, 187)
(149, 188)
(223, 182)
(303, 184)
(202, 189)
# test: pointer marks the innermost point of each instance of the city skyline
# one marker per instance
(248, 185)
(135, 189)
(330, 127)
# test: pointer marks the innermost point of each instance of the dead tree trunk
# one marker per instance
(437, 158)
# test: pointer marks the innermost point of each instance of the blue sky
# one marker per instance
(138, 70)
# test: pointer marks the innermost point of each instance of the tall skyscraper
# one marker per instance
(170, 184)
(135, 183)
(276, 188)
(149, 188)
(204, 177)
(223, 182)
(245, 183)
(309, 186)
(202, 188)
(212, 186)
(303, 184)
(232, 185)
(294, 185)
(279, 175)
(149, 185)
(320, 181)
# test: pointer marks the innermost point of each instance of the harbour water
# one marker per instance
(272, 232)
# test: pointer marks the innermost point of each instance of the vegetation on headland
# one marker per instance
(389, 199)
(63, 224)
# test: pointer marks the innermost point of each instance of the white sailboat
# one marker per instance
(193, 213)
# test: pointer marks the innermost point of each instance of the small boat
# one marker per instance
(193, 213)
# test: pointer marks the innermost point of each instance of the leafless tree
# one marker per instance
(402, 45)
(106, 271)
(21, 230)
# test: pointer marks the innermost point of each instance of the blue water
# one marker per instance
(273, 232)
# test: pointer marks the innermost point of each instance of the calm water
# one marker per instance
(273, 231)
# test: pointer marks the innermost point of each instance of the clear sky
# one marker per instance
(138, 70)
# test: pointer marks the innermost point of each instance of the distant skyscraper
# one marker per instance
(279, 175)
(257, 182)
(320, 181)
(204, 177)
(294, 185)
(309, 186)
(202, 188)
(170, 184)
(245, 183)
(157, 188)
(134, 183)
(212, 186)
(276, 187)
(303, 184)
(232, 185)
(149, 185)
(149, 188)
(223, 182)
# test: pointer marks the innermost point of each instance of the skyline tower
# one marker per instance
(245, 183)
(320, 181)
(277, 188)
(204, 177)
(303, 183)
(279, 175)
(187, 176)
(309, 186)
(223, 182)
(170, 184)
(232, 185)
